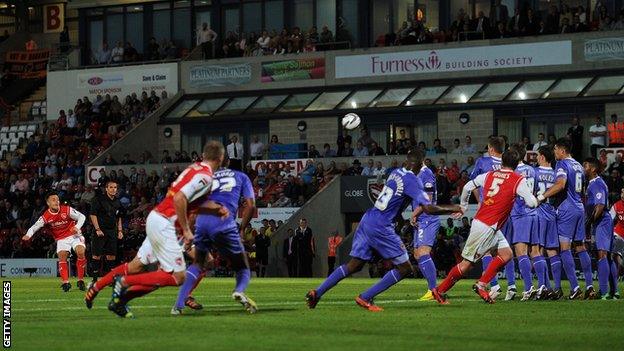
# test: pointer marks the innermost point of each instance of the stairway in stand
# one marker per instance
(26, 105)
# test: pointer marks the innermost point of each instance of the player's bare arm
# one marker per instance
(597, 213)
(248, 207)
(554, 190)
(214, 208)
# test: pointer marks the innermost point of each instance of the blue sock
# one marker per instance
(539, 264)
(510, 273)
(193, 273)
(614, 276)
(428, 270)
(388, 280)
(587, 268)
(569, 268)
(485, 262)
(242, 279)
(603, 276)
(524, 263)
(337, 275)
(555, 268)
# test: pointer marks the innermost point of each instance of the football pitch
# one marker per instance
(45, 318)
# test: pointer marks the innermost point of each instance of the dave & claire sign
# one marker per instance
(202, 76)
(455, 60)
(604, 49)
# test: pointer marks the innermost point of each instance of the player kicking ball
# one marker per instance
(500, 189)
(376, 232)
(64, 223)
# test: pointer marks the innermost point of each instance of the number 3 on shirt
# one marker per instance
(494, 187)
(384, 198)
(578, 183)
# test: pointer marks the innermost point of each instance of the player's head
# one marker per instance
(415, 159)
(545, 156)
(496, 146)
(510, 159)
(53, 201)
(562, 148)
(520, 149)
(111, 188)
(592, 167)
(214, 152)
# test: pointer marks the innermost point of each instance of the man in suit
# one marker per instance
(306, 249)
(499, 13)
(482, 25)
(289, 253)
(235, 154)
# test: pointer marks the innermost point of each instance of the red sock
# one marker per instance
(199, 279)
(137, 291)
(64, 271)
(107, 280)
(496, 264)
(453, 276)
(156, 279)
(80, 267)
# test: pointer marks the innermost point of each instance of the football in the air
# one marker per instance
(351, 121)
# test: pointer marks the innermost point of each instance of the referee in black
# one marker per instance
(106, 214)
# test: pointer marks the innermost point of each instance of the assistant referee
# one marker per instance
(106, 215)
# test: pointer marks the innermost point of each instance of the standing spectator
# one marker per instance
(464, 231)
(598, 134)
(451, 229)
(153, 49)
(106, 218)
(103, 56)
(256, 149)
(262, 243)
(64, 40)
(469, 148)
(235, 153)
(306, 248)
(333, 242)
(499, 13)
(206, 38)
(289, 253)
(264, 42)
(616, 132)
(575, 134)
(31, 45)
(482, 25)
(365, 138)
(326, 36)
(117, 54)
(540, 142)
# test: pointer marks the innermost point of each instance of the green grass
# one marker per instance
(44, 318)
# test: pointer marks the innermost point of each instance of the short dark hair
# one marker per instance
(50, 193)
(547, 152)
(564, 143)
(520, 149)
(110, 181)
(510, 159)
(497, 143)
(213, 150)
(415, 156)
(594, 163)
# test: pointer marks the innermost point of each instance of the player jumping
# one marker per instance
(499, 192)
(571, 217)
(228, 188)
(64, 223)
(376, 232)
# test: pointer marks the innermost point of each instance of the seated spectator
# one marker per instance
(360, 150)
(327, 151)
(393, 166)
(375, 150)
(437, 147)
(379, 169)
(130, 53)
(326, 35)
(313, 152)
(355, 169)
(369, 168)
(103, 56)
(469, 148)
(117, 54)
(171, 51)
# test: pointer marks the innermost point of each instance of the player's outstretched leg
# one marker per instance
(133, 267)
(194, 274)
(587, 271)
(495, 288)
(392, 277)
(353, 266)
(145, 283)
(454, 275)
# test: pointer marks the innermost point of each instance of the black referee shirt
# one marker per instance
(107, 211)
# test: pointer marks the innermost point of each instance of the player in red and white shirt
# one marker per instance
(161, 244)
(500, 189)
(64, 223)
(617, 214)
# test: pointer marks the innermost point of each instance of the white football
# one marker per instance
(351, 121)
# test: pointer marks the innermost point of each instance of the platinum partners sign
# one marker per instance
(604, 49)
(202, 76)
(455, 60)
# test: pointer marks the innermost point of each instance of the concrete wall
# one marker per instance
(320, 130)
(171, 144)
(617, 108)
(480, 126)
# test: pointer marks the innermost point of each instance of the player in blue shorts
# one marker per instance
(376, 233)
(213, 232)
(484, 164)
(547, 230)
(425, 233)
(571, 217)
(600, 220)
(524, 224)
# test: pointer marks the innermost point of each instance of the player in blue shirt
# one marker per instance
(426, 231)
(596, 209)
(571, 217)
(228, 188)
(376, 232)
(546, 229)
(484, 164)
(524, 224)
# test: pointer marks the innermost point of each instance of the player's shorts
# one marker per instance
(618, 245)
(227, 241)
(525, 229)
(161, 234)
(603, 232)
(104, 245)
(570, 223)
(547, 231)
(371, 235)
(69, 243)
(426, 233)
(507, 230)
(145, 254)
(482, 239)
